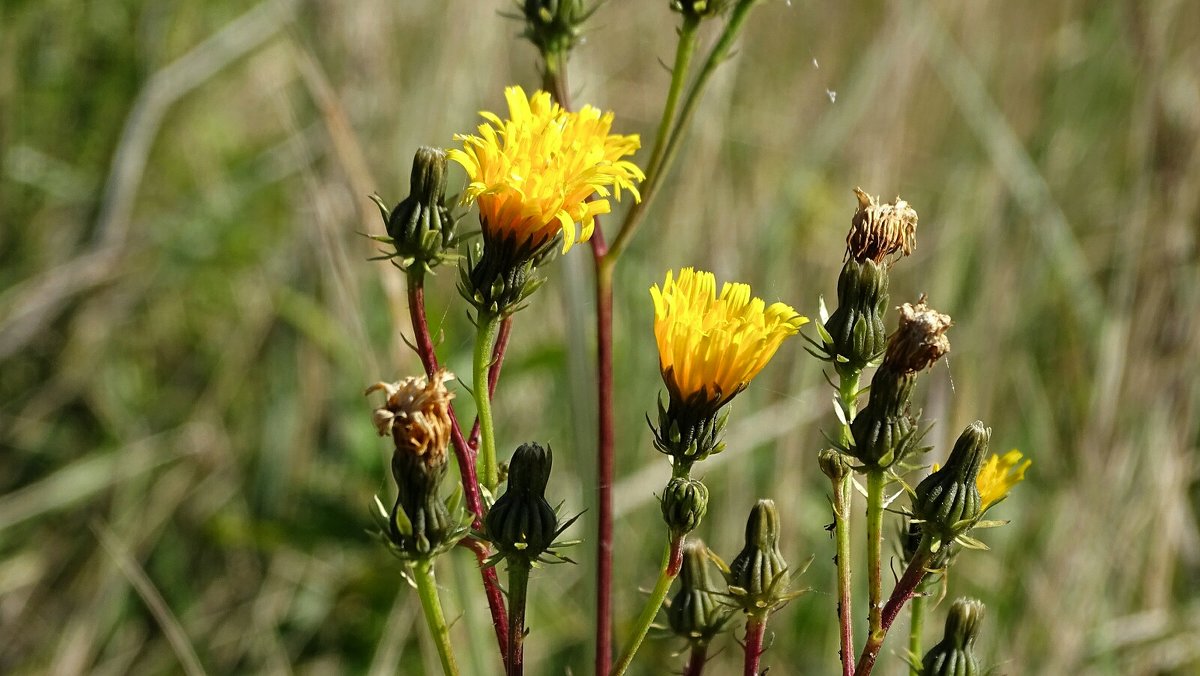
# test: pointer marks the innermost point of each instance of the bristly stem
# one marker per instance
(875, 481)
(488, 325)
(464, 454)
(843, 498)
(756, 627)
(916, 626)
(720, 52)
(697, 658)
(431, 605)
(906, 588)
(518, 586)
(650, 610)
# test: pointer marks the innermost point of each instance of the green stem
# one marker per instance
(843, 496)
(646, 618)
(720, 52)
(432, 607)
(916, 625)
(488, 324)
(875, 482)
(688, 35)
(518, 585)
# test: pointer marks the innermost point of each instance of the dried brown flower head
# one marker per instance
(417, 413)
(920, 340)
(880, 230)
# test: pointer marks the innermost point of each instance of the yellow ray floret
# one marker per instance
(710, 345)
(998, 476)
(532, 174)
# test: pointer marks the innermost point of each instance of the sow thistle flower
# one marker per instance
(709, 347)
(999, 475)
(532, 176)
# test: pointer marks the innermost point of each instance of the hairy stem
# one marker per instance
(843, 495)
(431, 606)
(465, 456)
(875, 482)
(518, 586)
(905, 589)
(653, 604)
(485, 337)
(916, 625)
(697, 658)
(756, 627)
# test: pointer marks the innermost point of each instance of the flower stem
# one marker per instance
(518, 585)
(720, 52)
(696, 660)
(485, 337)
(688, 34)
(605, 462)
(653, 604)
(432, 607)
(493, 372)
(463, 452)
(843, 496)
(875, 546)
(755, 629)
(916, 625)
(905, 589)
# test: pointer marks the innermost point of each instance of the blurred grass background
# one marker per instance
(188, 319)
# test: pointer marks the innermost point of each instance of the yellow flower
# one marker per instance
(710, 347)
(533, 173)
(998, 476)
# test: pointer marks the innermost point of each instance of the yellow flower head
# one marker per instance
(710, 347)
(533, 173)
(998, 476)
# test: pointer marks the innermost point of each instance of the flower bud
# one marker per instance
(553, 26)
(884, 431)
(833, 464)
(421, 227)
(954, 654)
(948, 501)
(700, 9)
(522, 523)
(696, 612)
(758, 576)
(856, 327)
(684, 503)
(417, 415)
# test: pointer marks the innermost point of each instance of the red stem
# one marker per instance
(755, 628)
(675, 561)
(697, 660)
(466, 461)
(905, 589)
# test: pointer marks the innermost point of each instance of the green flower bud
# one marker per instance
(421, 227)
(553, 26)
(696, 612)
(522, 523)
(758, 576)
(954, 655)
(683, 503)
(688, 432)
(700, 9)
(884, 431)
(948, 501)
(833, 464)
(857, 326)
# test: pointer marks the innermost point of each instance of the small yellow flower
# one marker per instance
(533, 173)
(998, 476)
(710, 347)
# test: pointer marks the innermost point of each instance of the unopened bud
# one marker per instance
(684, 503)
(421, 227)
(954, 654)
(696, 612)
(522, 523)
(856, 326)
(833, 464)
(758, 576)
(948, 501)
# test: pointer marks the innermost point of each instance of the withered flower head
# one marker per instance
(417, 414)
(920, 339)
(880, 230)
